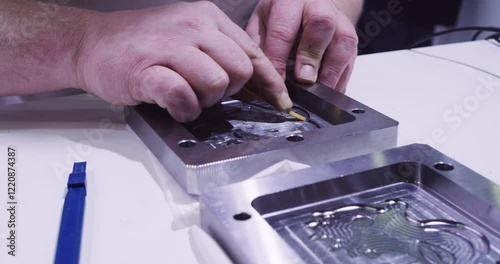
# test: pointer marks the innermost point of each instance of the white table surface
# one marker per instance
(132, 200)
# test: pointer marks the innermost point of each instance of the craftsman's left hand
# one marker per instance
(327, 40)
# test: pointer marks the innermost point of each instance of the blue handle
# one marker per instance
(70, 230)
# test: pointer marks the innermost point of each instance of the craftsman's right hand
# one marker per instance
(182, 56)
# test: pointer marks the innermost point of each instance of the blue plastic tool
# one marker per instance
(70, 230)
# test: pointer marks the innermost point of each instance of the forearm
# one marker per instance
(351, 8)
(39, 44)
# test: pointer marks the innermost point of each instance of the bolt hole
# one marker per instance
(358, 111)
(442, 166)
(242, 216)
(186, 143)
(295, 138)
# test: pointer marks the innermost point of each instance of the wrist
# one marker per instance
(82, 45)
(39, 53)
(78, 42)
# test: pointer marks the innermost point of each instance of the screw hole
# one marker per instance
(242, 216)
(186, 143)
(442, 166)
(295, 138)
(358, 111)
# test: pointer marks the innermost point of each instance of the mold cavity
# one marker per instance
(295, 138)
(358, 111)
(370, 231)
(398, 223)
(367, 232)
(443, 166)
(242, 216)
(235, 122)
(186, 143)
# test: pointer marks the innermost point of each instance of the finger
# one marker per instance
(231, 58)
(339, 54)
(255, 29)
(282, 27)
(318, 27)
(208, 80)
(267, 82)
(160, 85)
(344, 79)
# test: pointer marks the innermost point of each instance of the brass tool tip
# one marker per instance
(290, 112)
(298, 116)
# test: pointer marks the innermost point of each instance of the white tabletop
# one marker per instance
(134, 207)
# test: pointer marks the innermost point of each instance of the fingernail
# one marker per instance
(285, 102)
(308, 74)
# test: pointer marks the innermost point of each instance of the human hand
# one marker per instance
(327, 40)
(183, 57)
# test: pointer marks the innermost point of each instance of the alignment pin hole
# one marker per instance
(295, 138)
(442, 166)
(186, 143)
(358, 111)
(242, 216)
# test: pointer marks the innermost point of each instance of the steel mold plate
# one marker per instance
(192, 152)
(405, 205)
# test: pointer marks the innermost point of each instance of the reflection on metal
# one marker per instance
(233, 141)
(19, 99)
(235, 122)
(394, 209)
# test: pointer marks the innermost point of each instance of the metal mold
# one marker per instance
(232, 141)
(405, 205)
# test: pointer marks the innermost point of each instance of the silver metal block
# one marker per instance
(405, 205)
(232, 141)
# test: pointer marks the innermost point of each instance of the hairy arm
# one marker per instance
(39, 43)
(142, 58)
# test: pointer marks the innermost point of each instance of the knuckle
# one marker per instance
(218, 83)
(136, 88)
(244, 71)
(174, 90)
(141, 84)
(239, 76)
(214, 90)
(320, 22)
(190, 22)
(334, 71)
(254, 51)
(278, 64)
(208, 5)
(348, 41)
(310, 53)
(176, 100)
(282, 33)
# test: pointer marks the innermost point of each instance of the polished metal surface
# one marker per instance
(406, 205)
(19, 99)
(222, 147)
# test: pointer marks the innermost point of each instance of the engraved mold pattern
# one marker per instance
(393, 224)
(374, 230)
